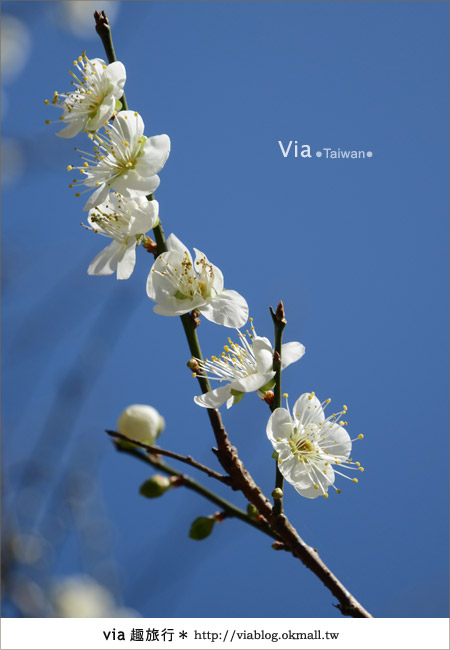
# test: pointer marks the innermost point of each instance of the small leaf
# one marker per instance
(155, 486)
(275, 455)
(201, 527)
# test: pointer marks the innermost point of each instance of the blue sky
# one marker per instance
(356, 249)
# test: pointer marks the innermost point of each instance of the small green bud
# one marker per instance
(202, 527)
(252, 511)
(277, 493)
(275, 455)
(118, 106)
(155, 486)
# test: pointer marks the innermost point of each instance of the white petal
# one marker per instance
(262, 349)
(214, 398)
(131, 182)
(308, 410)
(175, 244)
(105, 111)
(155, 153)
(291, 352)
(106, 261)
(217, 283)
(117, 75)
(127, 262)
(72, 128)
(252, 382)
(228, 308)
(276, 426)
(335, 440)
(171, 306)
(145, 217)
(97, 197)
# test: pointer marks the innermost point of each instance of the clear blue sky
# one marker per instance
(357, 250)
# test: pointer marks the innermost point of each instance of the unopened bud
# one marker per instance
(277, 493)
(202, 527)
(155, 486)
(141, 423)
(252, 511)
(278, 546)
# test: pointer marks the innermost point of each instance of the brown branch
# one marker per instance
(241, 480)
(171, 454)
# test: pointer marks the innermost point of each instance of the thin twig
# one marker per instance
(230, 509)
(171, 454)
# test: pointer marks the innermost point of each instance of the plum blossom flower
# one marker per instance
(97, 88)
(179, 285)
(246, 367)
(126, 221)
(124, 159)
(308, 444)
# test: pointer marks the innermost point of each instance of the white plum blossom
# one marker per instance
(126, 221)
(141, 423)
(245, 367)
(308, 444)
(179, 285)
(124, 159)
(92, 103)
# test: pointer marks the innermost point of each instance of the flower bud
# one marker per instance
(202, 527)
(141, 423)
(155, 486)
(277, 493)
(252, 511)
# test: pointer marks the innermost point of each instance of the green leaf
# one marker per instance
(275, 455)
(155, 486)
(202, 527)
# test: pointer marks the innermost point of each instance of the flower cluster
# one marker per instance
(120, 171)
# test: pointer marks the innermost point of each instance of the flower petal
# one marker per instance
(97, 197)
(155, 153)
(307, 409)
(263, 351)
(131, 182)
(252, 382)
(214, 398)
(72, 128)
(127, 261)
(336, 441)
(228, 308)
(145, 216)
(107, 260)
(276, 426)
(171, 306)
(291, 352)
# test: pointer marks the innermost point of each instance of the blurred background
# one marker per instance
(356, 249)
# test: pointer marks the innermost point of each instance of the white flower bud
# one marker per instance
(141, 422)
